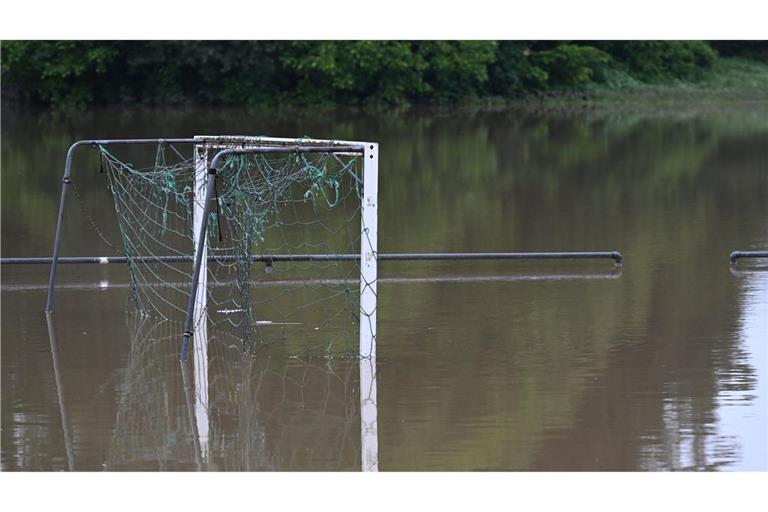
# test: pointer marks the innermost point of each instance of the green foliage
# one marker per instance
(455, 69)
(512, 72)
(77, 73)
(570, 65)
(349, 73)
(663, 60)
(387, 72)
(754, 50)
(740, 74)
(58, 72)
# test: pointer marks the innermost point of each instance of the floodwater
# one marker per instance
(534, 365)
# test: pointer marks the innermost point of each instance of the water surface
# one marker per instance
(482, 365)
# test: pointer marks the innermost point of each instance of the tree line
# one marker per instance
(353, 73)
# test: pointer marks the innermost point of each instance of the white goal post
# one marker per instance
(204, 163)
(206, 149)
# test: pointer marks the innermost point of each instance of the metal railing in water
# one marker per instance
(270, 259)
(737, 255)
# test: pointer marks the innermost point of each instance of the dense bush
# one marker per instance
(755, 50)
(455, 69)
(95, 72)
(512, 73)
(80, 73)
(569, 65)
(56, 72)
(388, 72)
(663, 60)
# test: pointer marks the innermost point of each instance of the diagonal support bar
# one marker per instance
(65, 186)
(199, 250)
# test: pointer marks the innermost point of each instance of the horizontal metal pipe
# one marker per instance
(736, 255)
(270, 258)
(614, 255)
(255, 140)
(109, 142)
(283, 149)
(296, 146)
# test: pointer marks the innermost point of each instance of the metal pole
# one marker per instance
(736, 255)
(65, 186)
(284, 149)
(199, 249)
(59, 225)
(369, 251)
(273, 258)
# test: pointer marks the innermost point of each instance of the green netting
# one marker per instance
(243, 413)
(266, 204)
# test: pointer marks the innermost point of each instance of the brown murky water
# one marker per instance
(482, 365)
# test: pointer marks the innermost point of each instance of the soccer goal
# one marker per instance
(266, 241)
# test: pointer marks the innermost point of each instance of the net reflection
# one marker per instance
(229, 408)
(152, 428)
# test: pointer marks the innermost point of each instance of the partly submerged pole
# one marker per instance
(200, 248)
(269, 259)
(66, 181)
(737, 255)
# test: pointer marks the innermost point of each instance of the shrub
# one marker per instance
(455, 69)
(59, 72)
(570, 65)
(512, 72)
(664, 60)
(388, 72)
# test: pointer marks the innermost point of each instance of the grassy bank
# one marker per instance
(730, 82)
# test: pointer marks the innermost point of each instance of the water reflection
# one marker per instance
(151, 425)
(262, 414)
(743, 405)
(369, 413)
(614, 273)
(732, 430)
(57, 378)
(191, 398)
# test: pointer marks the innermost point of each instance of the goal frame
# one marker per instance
(257, 144)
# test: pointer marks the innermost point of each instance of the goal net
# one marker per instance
(288, 261)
